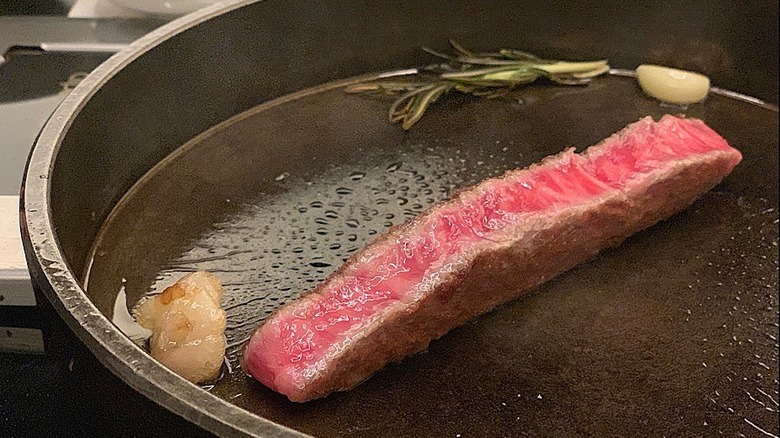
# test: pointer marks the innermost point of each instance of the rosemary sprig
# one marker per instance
(488, 75)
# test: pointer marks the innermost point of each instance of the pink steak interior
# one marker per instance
(297, 339)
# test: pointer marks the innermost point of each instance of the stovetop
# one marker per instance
(50, 384)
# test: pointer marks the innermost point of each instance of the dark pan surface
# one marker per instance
(672, 334)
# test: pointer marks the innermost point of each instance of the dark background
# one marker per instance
(32, 7)
(68, 393)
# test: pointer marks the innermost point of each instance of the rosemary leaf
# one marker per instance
(571, 67)
(456, 45)
(568, 80)
(481, 74)
(417, 109)
(478, 72)
(388, 87)
(409, 100)
(593, 73)
(519, 55)
(437, 54)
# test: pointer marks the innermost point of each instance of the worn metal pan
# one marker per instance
(225, 141)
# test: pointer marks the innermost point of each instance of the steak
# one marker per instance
(487, 245)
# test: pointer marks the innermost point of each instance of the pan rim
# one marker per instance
(58, 282)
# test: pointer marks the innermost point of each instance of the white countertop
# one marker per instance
(15, 287)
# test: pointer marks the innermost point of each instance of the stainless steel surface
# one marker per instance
(200, 70)
(60, 34)
(46, 58)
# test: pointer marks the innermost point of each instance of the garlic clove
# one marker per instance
(672, 85)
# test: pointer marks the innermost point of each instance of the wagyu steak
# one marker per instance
(489, 244)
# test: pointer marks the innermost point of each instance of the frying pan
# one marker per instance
(224, 141)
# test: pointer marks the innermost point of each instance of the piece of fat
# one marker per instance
(188, 326)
